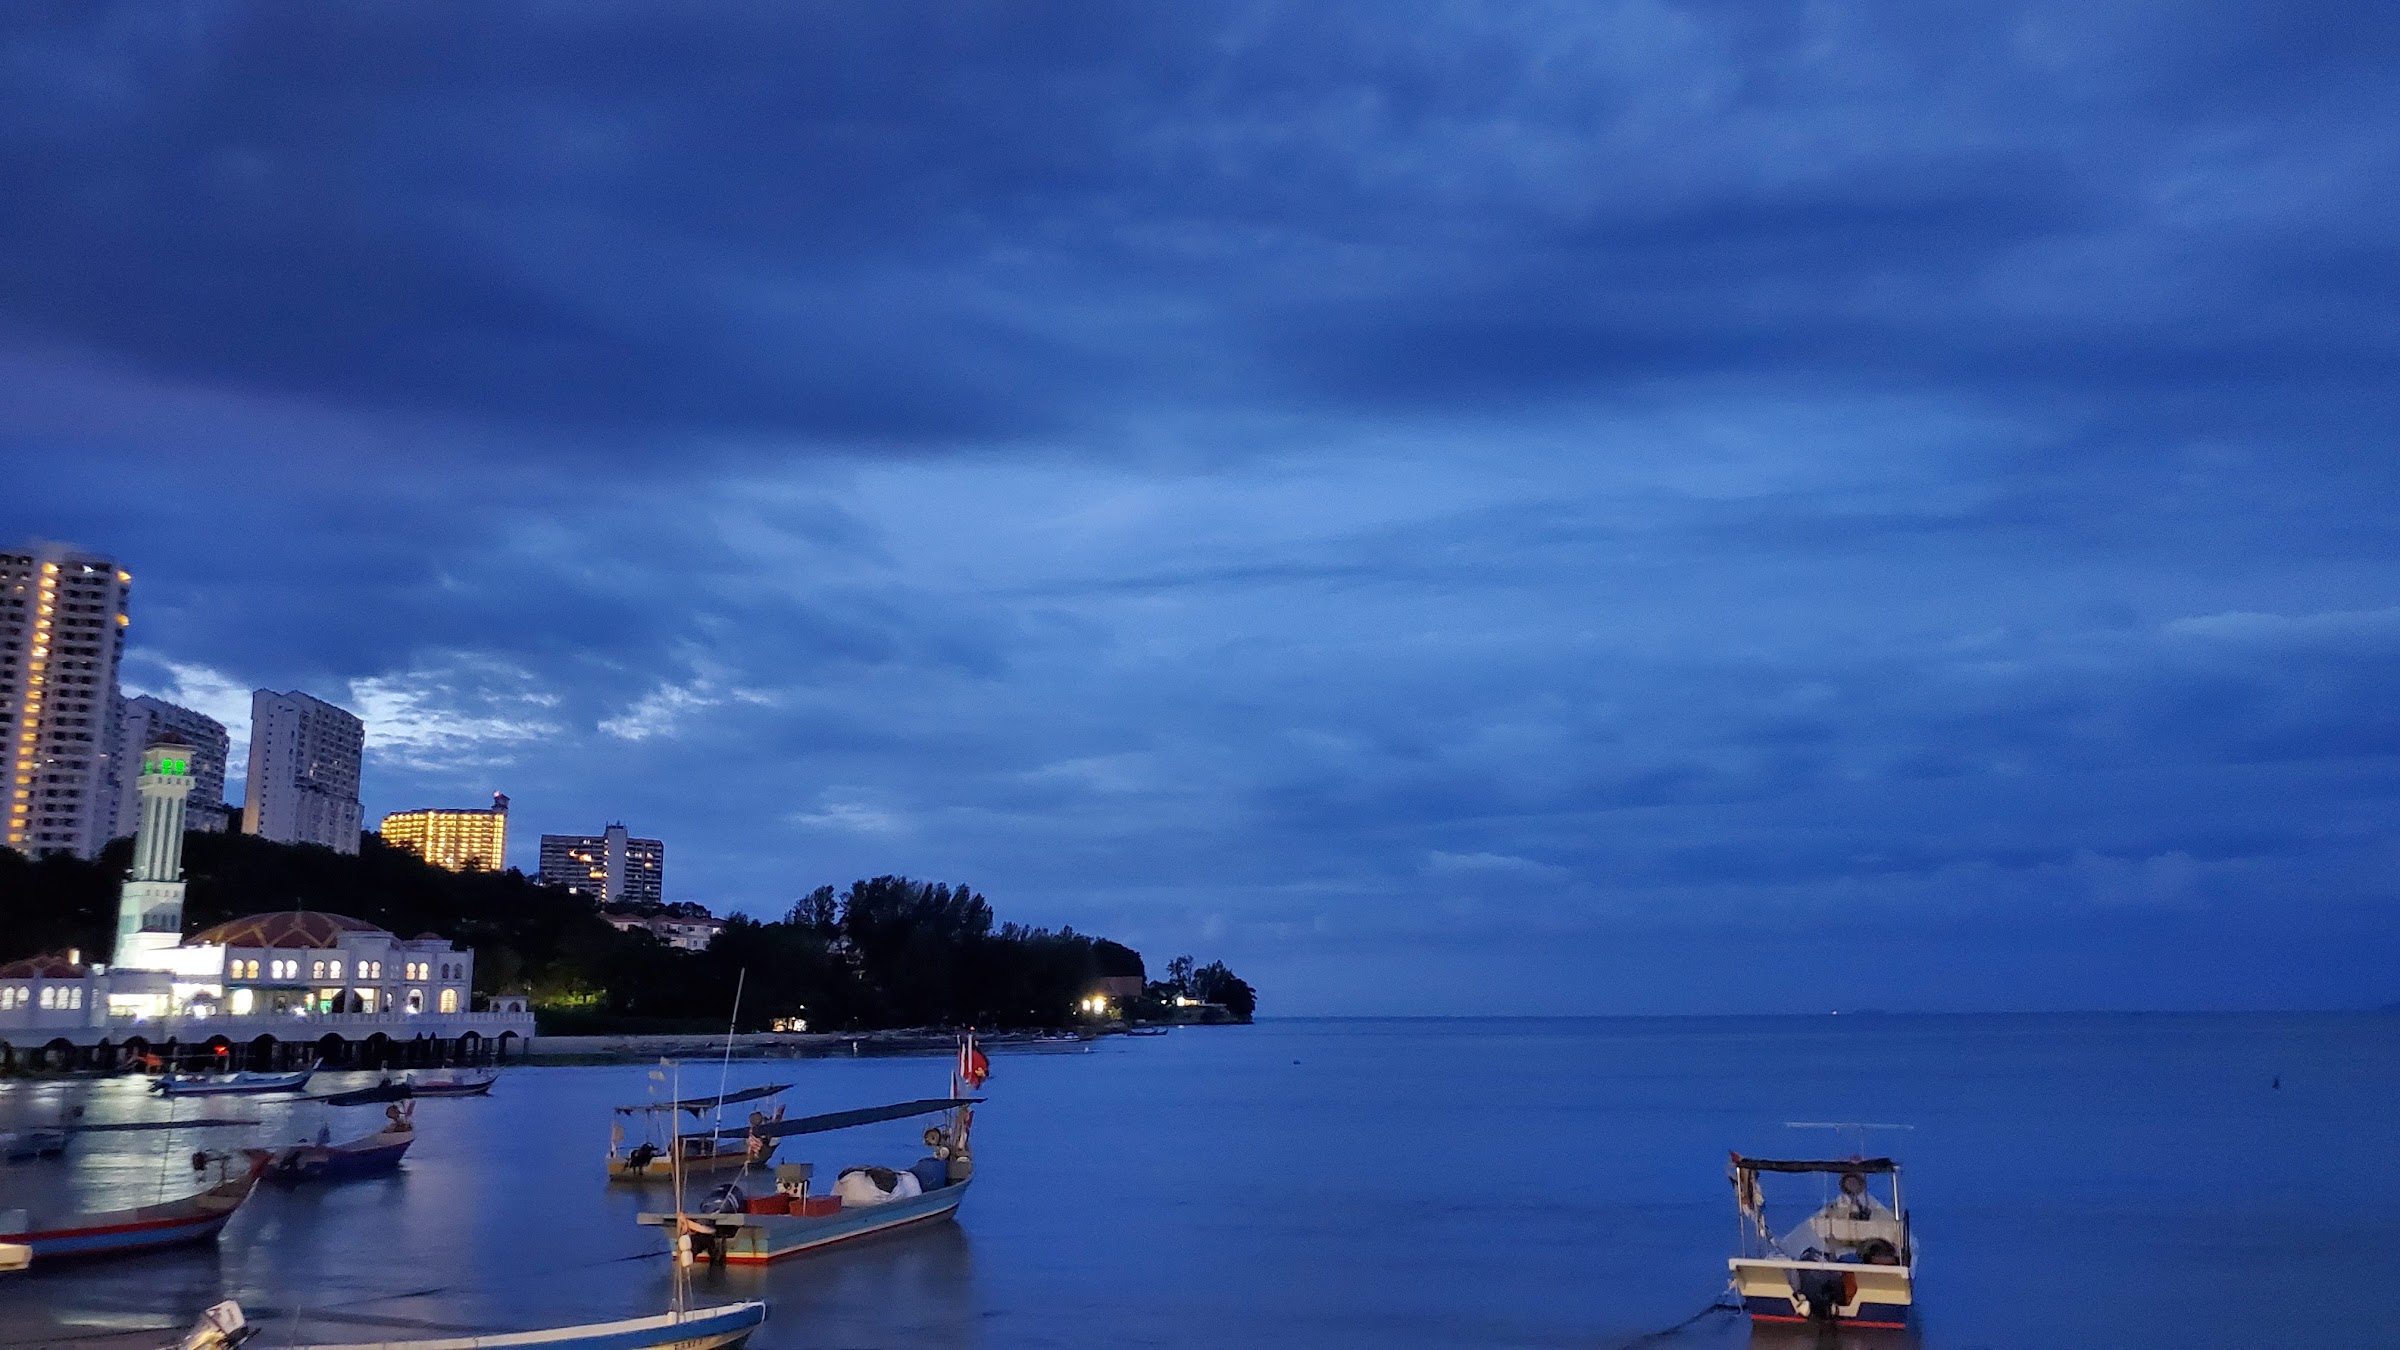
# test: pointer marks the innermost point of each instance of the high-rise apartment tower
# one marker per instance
(62, 629)
(612, 866)
(139, 722)
(303, 781)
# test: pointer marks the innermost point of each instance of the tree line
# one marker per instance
(884, 952)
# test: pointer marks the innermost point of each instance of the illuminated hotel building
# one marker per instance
(611, 867)
(302, 786)
(457, 840)
(62, 628)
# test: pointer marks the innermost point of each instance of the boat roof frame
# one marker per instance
(1874, 1166)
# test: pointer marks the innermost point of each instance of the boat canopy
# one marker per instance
(696, 1105)
(1836, 1165)
(843, 1120)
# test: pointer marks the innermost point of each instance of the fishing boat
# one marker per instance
(738, 1229)
(233, 1084)
(117, 1232)
(663, 1147)
(716, 1328)
(452, 1085)
(1850, 1263)
(368, 1155)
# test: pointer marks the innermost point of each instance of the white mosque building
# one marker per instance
(260, 990)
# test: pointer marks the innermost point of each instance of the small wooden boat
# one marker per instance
(654, 1158)
(452, 1085)
(717, 1328)
(738, 1230)
(233, 1084)
(1850, 1263)
(117, 1232)
(15, 1256)
(368, 1155)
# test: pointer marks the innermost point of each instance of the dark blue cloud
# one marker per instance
(1457, 507)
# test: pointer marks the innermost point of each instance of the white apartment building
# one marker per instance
(303, 780)
(611, 867)
(139, 722)
(62, 630)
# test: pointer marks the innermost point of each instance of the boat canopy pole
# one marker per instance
(843, 1120)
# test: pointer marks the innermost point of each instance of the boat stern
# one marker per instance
(1843, 1293)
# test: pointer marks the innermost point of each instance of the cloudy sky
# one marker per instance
(1620, 507)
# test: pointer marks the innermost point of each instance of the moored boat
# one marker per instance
(117, 1232)
(368, 1155)
(1850, 1263)
(737, 1229)
(715, 1328)
(663, 1148)
(452, 1085)
(233, 1084)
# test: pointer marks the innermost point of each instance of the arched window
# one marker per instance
(333, 970)
(449, 1000)
(75, 997)
(50, 997)
(316, 970)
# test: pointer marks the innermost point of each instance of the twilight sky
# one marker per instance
(1622, 507)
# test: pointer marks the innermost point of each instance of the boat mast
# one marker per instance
(678, 1247)
(725, 1065)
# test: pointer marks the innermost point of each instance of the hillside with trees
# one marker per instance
(885, 952)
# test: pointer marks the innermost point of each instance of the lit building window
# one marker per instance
(333, 970)
(316, 970)
(449, 1000)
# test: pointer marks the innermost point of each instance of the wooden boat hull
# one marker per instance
(756, 1239)
(659, 1170)
(1837, 1293)
(120, 1232)
(715, 1328)
(372, 1156)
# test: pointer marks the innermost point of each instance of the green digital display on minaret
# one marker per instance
(165, 765)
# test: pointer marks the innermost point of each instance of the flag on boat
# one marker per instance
(973, 1068)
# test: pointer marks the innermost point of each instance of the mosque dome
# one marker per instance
(284, 928)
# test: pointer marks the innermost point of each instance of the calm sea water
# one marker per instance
(2106, 1181)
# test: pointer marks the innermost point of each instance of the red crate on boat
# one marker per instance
(767, 1204)
(816, 1206)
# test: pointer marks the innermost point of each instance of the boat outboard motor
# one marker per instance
(1827, 1291)
(220, 1328)
(725, 1199)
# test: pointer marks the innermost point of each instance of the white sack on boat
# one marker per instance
(865, 1186)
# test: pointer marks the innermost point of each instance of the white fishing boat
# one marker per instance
(1851, 1262)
